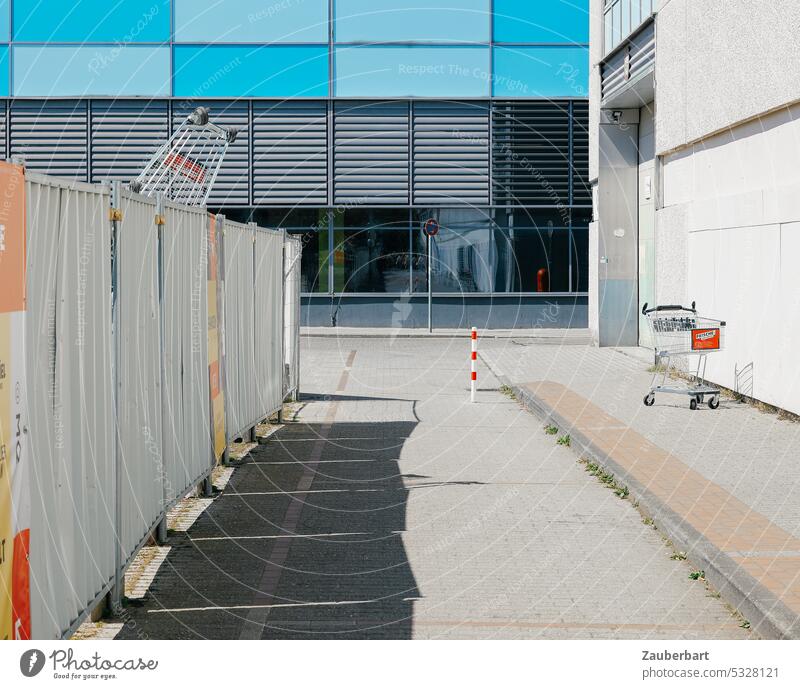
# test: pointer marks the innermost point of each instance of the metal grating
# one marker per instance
(581, 189)
(52, 136)
(290, 153)
(232, 185)
(124, 136)
(530, 153)
(371, 153)
(451, 153)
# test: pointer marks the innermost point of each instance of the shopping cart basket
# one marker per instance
(185, 168)
(679, 331)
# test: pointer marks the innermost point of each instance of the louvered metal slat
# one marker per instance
(581, 189)
(530, 153)
(232, 186)
(52, 136)
(371, 153)
(635, 58)
(125, 134)
(290, 153)
(3, 129)
(450, 153)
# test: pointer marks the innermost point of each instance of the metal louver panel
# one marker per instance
(636, 57)
(530, 153)
(51, 136)
(232, 186)
(371, 153)
(451, 153)
(124, 136)
(581, 189)
(290, 153)
(3, 129)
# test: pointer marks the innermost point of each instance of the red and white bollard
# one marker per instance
(474, 362)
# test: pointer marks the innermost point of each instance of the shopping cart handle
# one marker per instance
(668, 307)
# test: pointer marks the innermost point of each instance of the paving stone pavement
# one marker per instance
(394, 508)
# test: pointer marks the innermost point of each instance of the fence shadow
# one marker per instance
(306, 539)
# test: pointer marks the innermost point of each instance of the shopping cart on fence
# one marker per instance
(185, 167)
(679, 331)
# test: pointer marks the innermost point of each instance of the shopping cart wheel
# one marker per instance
(713, 402)
(649, 399)
(693, 403)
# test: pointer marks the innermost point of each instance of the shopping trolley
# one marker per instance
(679, 331)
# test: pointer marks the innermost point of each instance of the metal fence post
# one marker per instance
(114, 601)
(223, 376)
(160, 221)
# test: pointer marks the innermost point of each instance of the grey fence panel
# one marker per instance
(293, 248)
(69, 350)
(240, 400)
(138, 371)
(268, 322)
(186, 436)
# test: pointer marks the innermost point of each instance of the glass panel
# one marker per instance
(110, 70)
(252, 21)
(607, 37)
(4, 71)
(543, 21)
(533, 252)
(314, 261)
(580, 258)
(294, 218)
(251, 71)
(541, 72)
(371, 252)
(615, 25)
(463, 21)
(4, 21)
(626, 18)
(462, 253)
(98, 21)
(402, 71)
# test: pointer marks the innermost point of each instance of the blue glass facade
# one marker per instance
(358, 121)
(330, 48)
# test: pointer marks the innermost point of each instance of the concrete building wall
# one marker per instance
(729, 238)
(720, 63)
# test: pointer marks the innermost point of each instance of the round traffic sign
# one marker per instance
(431, 228)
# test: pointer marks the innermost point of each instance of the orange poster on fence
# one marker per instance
(15, 619)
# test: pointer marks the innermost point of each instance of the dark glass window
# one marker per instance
(532, 252)
(314, 262)
(580, 258)
(462, 253)
(371, 251)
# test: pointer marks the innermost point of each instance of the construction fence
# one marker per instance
(138, 337)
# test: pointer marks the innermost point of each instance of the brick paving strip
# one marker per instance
(264, 600)
(754, 563)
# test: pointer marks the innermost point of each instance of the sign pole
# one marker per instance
(430, 289)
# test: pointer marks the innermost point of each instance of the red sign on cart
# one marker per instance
(708, 338)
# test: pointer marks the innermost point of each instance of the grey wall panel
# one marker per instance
(124, 135)
(232, 186)
(139, 370)
(371, 153)
(240, 400)
(268, 322)
(450, 153)
(290, 153)
(293, 250)
(187, 440)
(68, 333)
(52, 136)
